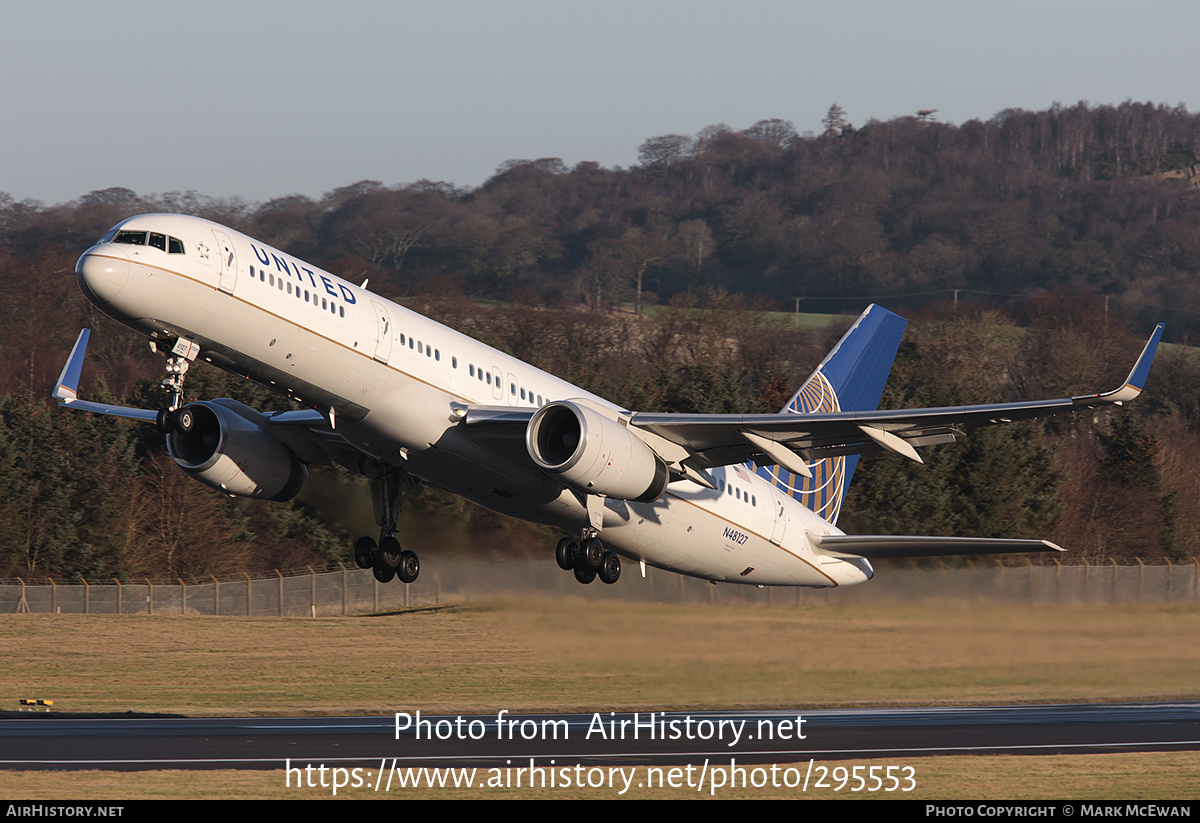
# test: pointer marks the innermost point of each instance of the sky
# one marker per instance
(257, 99)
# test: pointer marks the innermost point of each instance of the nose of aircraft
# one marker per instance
(102, 273)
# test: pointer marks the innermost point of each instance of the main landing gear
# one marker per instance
(588, 559)
(390, 487)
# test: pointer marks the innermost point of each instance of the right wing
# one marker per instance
(307, 432)
(66, 390)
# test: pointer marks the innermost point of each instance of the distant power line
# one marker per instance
(955, 292)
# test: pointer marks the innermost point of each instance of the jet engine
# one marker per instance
(591, 452)
(225, 445)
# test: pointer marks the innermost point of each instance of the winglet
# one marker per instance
(67, 388)
(1136, 380)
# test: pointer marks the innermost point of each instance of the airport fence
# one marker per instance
(341, 590)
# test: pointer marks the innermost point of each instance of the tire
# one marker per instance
(610, 568)
(364, 553)
(389, 553)
(584, 576)
(383, 575)
(593, 554)
(409, 568)
(185, 420)
(566, 552)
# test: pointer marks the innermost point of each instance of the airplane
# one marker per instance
(405, 401)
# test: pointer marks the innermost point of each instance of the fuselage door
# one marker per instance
(228, 260)
(383, 332)
(497, 384)
(779, 526)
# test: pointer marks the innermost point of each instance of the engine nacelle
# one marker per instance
(225, 444)
(594, 453)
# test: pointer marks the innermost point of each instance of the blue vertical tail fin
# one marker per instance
(850, 378)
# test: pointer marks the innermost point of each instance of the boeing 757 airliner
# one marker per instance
(404, 400)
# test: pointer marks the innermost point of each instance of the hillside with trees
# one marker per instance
(1032, 253)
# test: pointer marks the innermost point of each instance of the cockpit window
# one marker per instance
(131, 238)
(163, 242)
(108, 235)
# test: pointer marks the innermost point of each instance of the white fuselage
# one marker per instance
(390, 377)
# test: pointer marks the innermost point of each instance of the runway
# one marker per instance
(136, 743)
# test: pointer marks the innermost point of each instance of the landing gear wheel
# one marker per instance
(610, 568)
(593, 553)
(364, 553)
(184, 420)
(409, 568)
(565, 553)
(383, 575)
(584, 576)
(390, 553)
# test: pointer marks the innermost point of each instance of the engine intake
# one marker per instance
(226, 446)
(594, 453)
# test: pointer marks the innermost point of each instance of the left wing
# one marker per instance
(725, 439)
(692, 443)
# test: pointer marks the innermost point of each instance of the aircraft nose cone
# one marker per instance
(102, 275)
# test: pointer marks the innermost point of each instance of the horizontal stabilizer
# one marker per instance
(886, 545)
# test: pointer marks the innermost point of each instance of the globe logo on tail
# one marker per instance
(824, 491)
